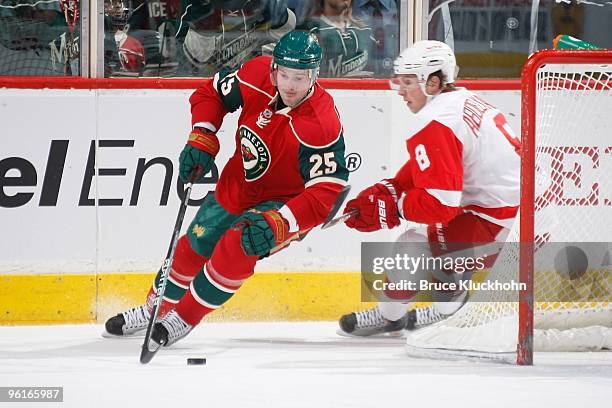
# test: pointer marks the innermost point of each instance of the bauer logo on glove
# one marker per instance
(375, 208)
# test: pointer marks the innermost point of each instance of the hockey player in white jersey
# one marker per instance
(461, 179)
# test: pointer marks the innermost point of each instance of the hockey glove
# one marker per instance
(200, 150)
(262, 231)
(376, 208)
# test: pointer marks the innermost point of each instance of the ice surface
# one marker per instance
(285, 365)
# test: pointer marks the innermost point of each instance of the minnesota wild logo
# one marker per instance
(255, 154)
(247, 154)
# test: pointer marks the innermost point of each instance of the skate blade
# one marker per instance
(394, 335)
(138, 335)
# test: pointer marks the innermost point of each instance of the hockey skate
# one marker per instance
(369, 323)
(170, 329)
(423, 316)
(127, 323)
(133, 321)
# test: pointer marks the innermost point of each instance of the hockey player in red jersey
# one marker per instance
(461, 179)
(286, 172)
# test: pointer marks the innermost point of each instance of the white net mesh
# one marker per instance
(573, 188)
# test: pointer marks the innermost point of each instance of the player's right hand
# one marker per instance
(262, 231)
(200, 150)
(376, 208)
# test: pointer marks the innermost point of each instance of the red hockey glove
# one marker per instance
(377, 208)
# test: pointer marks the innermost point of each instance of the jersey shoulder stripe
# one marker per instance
(316, 122)
(255, 75)
(446, 109)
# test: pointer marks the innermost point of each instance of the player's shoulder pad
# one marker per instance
(449, 108)
(316, 122)
(445, 109)
(255, 74)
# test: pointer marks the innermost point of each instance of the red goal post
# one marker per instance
(529, 93)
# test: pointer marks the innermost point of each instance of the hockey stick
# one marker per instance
(147, 353)
(298, 236)
(70, 9)
(340, 219)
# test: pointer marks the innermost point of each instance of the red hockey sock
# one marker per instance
(396, 295)
(164, 308)
(186, 264)
(217, 282)
(190, 310)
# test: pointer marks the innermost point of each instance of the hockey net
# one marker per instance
(566, 197)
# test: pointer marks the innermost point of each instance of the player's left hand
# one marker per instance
(376, 209)
(262, 231)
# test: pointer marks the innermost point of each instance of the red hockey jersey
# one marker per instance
(462, 157)
(294, 155)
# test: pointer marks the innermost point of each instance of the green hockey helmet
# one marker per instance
(298, 50)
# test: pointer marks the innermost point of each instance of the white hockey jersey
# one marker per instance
(463, 153)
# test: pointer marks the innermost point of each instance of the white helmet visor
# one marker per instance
(407, 82)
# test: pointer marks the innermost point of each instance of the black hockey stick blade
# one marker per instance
(330, 221)
(147, 353)
(340, 219)
(337, 205)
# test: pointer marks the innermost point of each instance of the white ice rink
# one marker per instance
(285, 365)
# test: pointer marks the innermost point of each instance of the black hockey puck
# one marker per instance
(196, 361)
(571, 262)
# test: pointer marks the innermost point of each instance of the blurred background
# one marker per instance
(360, 38)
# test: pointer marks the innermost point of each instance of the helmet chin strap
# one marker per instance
(423, 85)
(428, 96)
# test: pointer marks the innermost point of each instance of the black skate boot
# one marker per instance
(127, 323)
(170, 329)
(422, 316)
(370, 322)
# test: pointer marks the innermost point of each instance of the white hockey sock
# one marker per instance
(393, 310)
